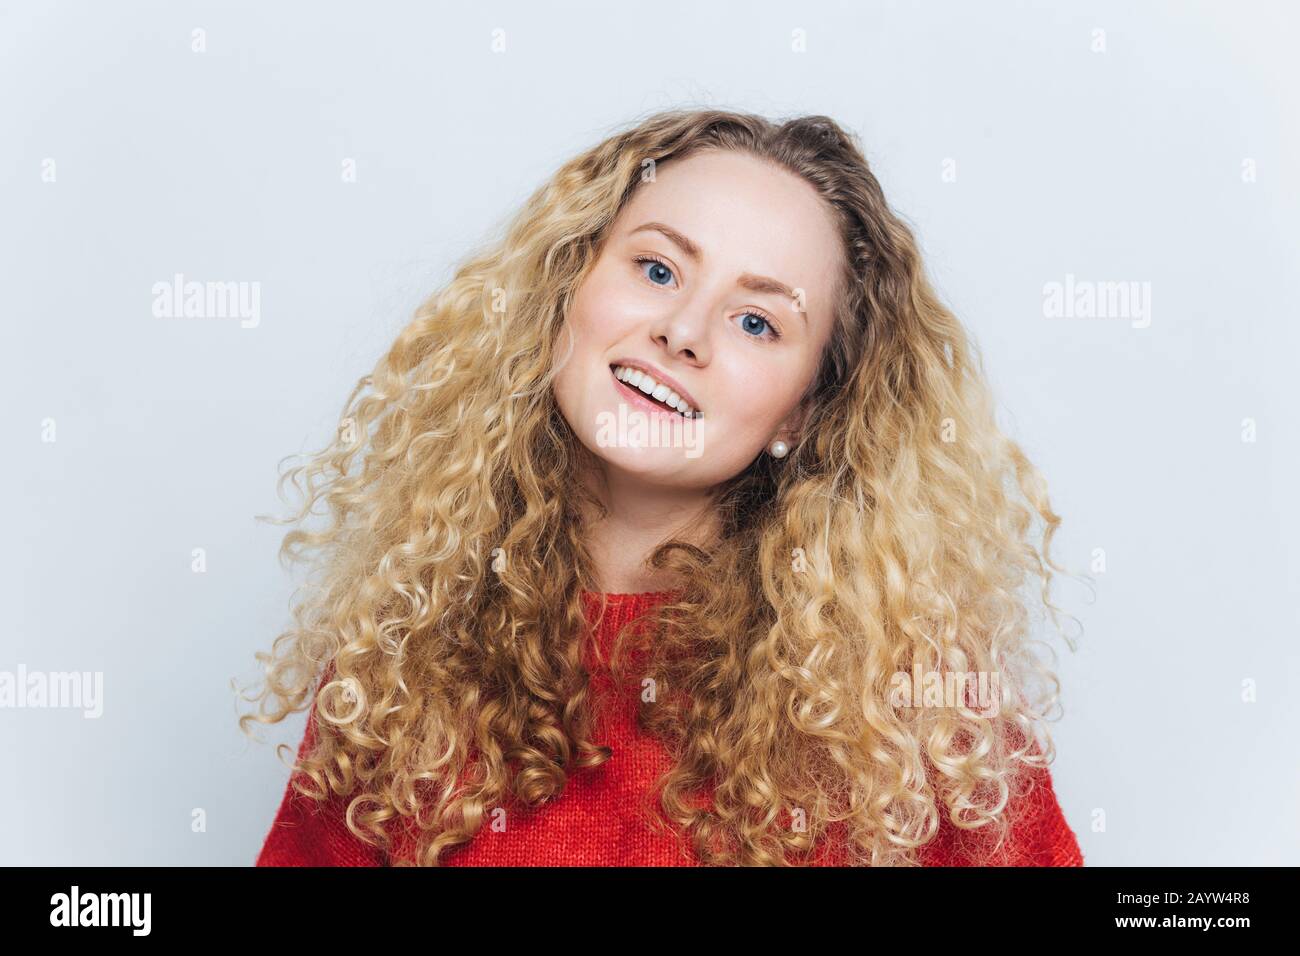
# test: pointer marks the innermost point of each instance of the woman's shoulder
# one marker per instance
(1037, 835)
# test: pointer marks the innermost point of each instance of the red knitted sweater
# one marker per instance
(595, 820)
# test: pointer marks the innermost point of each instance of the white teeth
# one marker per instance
(639, 379)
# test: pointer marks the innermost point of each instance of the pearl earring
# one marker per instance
(778, 449)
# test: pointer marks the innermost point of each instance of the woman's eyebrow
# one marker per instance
(688, 247)
(749, 281)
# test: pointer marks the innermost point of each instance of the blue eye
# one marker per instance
(744, 324)
(657, 268)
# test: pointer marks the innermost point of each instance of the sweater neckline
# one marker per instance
(627, 595)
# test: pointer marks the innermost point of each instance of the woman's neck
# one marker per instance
(640, 517)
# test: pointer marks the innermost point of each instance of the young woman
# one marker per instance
(667, 533)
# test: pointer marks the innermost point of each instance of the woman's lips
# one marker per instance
(643, 401)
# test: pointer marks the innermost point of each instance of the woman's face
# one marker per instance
(684, 289)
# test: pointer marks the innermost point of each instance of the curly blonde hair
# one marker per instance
(894, 538)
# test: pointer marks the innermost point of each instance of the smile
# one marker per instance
(642, 390)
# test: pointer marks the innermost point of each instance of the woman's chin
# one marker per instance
(646, 460)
